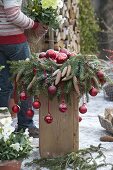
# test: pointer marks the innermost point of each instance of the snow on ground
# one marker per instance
(90, 128)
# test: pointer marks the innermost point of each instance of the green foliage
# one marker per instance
(47, 16)
(84, 67)
(88, 28)
(84, 159)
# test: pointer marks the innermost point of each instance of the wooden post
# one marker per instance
(62, 135)
(51, 38)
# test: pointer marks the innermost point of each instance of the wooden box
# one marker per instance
(62, 135)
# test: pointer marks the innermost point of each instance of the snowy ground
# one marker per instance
(90, 130)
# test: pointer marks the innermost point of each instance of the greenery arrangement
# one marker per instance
(57, 73)
(84, 159)
(89, 28)
(79, 73)
(45, 11)
(13, 145)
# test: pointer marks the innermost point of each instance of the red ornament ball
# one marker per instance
(100, 74)
(30, 113)
(69, 54)
(64, 50)
(83, 109)
(36, 104)
(63, 107)
(79, 118)
(52, 89)
(61, 58)
(16, 108)
(42, 55)
(48, 118)
(93, 91)
(23, 96)
(51, 54)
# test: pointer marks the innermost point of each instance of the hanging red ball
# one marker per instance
(16, 108)
(52, 89)
(63, 107)
(23, 96)
(83, 109)
(100, 74)
(30, 113)
(79, 118)
(48, 118)
(93, 91)
(36, 104)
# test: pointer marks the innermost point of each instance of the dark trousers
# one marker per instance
(13, 52)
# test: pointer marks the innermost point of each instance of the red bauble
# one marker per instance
(42, 55)
(93, 91)
(83, 109)
(36, 104)
(64, 50)
(51, 54)
(100, 74)
(16, 108)
(52, 89)
(61, 58)
(30, 113)
(79, 118)
(48, 118)
(69, 54)
(23, 96)
(63, 107)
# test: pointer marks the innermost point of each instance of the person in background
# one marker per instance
(14, 47)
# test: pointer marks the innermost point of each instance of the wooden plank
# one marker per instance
(51, 38)
(62, 135)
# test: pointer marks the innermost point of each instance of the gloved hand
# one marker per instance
(40, 29)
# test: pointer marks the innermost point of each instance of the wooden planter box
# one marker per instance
(10, 165)
(62, 135)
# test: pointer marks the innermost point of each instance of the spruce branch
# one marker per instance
(84, 159)
(83, 67)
